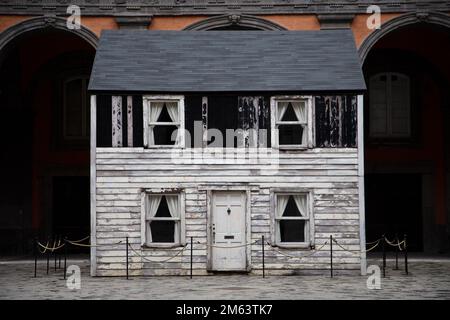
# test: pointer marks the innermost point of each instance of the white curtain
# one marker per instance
(282, 201)
(301, 202)
(172, 203)
(155, 111)
(172, 109)
(282, 107)
(153, 205)
(300, 113)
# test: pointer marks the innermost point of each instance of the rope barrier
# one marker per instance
(398, 244)
(81, 240)
(357, 253)
(50, 248)
(373, 242)
(57, 244)
(45, 247)
(368, 250)
(145, 258)
(92, 245)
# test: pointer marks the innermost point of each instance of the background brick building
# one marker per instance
(45, 68)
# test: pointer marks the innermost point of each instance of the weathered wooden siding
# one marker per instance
(122, 173)
(336, 121)
(119, 121)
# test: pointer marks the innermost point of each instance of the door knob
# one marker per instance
(229, 211)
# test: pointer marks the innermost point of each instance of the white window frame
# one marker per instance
(389, 109)
(308, 100)
(180, 239)
(309, 225)
(179, 99)
(84, 109)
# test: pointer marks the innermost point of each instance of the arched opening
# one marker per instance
(406, 137)
(234, 22)
(45, 160)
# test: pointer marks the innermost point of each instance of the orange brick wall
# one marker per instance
(290, 22)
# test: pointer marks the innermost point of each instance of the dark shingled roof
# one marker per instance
(224, 61)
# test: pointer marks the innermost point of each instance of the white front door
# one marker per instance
(228, 227)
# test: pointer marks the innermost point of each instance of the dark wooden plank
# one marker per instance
(193, 113)
(322, 123)
(336, 121)
(264, 120)
(138, 121)
(349, 123)
(124, 122)
(104, 121)
(333, 105)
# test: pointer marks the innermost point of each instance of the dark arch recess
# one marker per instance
(42, 23)
(234, 21)
(437, 18)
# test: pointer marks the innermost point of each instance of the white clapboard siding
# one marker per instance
(123, 173)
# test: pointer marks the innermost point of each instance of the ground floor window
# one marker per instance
(163, 219)
(292, 219)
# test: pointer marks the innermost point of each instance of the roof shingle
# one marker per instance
(224, 61)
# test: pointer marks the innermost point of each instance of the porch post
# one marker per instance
(362, 212)
(93, 176)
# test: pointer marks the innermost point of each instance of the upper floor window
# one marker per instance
(291, 122)
(163, 121)
(75, 108)
(390, 110)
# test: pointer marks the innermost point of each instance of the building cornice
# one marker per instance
(133, 21)
(215, 7)
(333, 21)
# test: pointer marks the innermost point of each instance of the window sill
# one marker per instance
(164, 146)
(294, 147)
(161, 246)
(298, 245)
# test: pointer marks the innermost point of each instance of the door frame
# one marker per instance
(209, 214)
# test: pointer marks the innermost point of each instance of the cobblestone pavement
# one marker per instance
(428, 279)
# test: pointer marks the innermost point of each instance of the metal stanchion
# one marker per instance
(263, 264)
(406, 254)
(55, 252)
(396, 252)
(331, 256)
(192, 247)
(65, 257)
(48, 255)
(384, 255)
(127, 255)
(35, 249)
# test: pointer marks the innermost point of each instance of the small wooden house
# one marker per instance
(226, 137)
